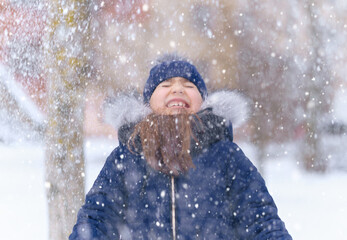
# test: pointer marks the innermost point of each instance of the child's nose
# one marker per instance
(177, 88)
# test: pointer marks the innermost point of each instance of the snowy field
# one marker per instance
(312, 206)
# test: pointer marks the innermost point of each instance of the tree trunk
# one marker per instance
(317, 94)
(66, 55)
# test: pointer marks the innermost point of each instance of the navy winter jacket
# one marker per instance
(224, 197)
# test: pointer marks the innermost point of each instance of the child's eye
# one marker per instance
(189, 86)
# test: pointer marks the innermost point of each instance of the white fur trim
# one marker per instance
(228, 104)
(125, 109)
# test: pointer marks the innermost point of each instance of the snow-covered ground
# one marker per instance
(313, 206)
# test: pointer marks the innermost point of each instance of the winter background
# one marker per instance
(287, 57)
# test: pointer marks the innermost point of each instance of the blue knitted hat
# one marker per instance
(170, 68)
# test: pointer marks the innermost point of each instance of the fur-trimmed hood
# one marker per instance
(127, 108)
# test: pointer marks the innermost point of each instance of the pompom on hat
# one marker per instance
(170, 66)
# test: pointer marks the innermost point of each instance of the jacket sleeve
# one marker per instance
(104, 205)
(253, 209)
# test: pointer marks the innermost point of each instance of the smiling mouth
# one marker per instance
(175, 104)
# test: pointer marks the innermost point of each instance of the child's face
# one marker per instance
(175, 94)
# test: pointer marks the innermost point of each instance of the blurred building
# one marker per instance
(22, 80)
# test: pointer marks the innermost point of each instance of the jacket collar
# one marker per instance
(207, 129)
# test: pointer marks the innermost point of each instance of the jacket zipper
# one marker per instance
(173, 208)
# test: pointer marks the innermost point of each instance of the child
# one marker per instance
(177, 174)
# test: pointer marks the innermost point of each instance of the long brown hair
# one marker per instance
(166, 142)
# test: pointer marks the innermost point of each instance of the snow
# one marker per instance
(277, 34)
(313, 206)
(23, 207)
(19, 94)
